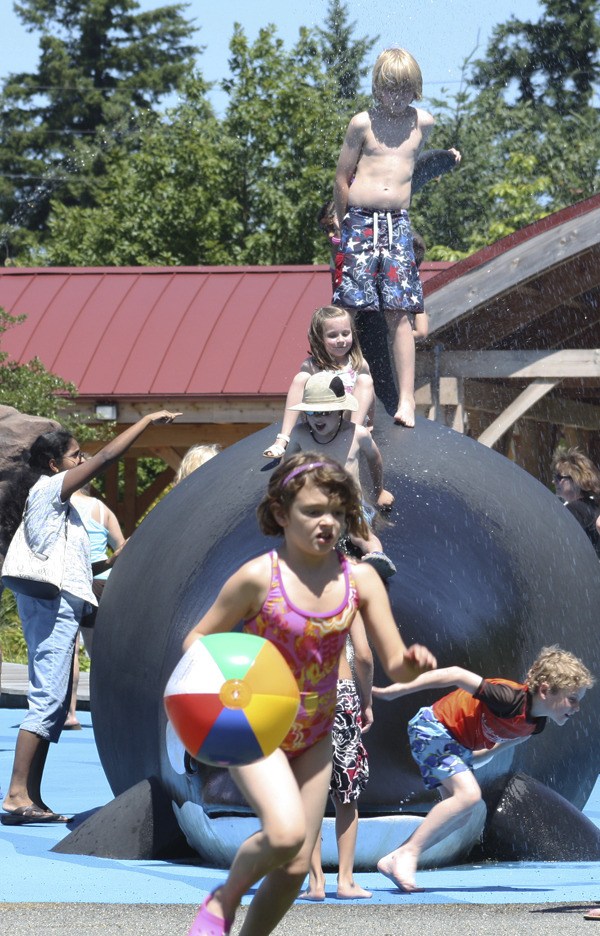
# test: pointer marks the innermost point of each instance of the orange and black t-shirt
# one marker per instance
(499, 710)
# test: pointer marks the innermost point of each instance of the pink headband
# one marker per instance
(300, 469)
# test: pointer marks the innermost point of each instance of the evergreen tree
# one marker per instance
(343, 55)
(101, 62)
(554, 62)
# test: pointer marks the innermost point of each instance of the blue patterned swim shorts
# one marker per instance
(379, 271)
(438, 755)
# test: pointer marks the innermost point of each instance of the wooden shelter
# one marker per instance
(515, 340)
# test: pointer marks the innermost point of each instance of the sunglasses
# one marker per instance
(314, 413)
(558, 477)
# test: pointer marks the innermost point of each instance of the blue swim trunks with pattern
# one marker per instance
(379, 270)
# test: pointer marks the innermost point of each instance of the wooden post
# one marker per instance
(534, 392)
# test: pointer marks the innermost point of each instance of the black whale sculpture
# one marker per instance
(490, 569)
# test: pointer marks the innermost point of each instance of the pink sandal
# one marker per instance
(207, 924)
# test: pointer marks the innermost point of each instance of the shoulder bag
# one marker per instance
(34, 574)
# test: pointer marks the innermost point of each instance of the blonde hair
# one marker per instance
(560, 669)
(395, 69)
(327, 474)
(194, 457)
(579, 468)
(319, 352)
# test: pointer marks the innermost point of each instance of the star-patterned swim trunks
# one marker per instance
(379, 271)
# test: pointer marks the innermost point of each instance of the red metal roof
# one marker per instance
(140, 331)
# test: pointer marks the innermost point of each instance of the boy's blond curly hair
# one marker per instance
(395, 69)
(560, 669)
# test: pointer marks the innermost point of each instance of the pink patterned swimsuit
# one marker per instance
(311, 645)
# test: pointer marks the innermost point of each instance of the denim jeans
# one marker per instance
(50, 629)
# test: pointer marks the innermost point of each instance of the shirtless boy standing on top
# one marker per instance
(372, 194)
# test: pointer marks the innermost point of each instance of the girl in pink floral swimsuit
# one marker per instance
(304, 598)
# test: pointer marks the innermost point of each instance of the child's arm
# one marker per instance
(484, 756)
(348, 161)
(371, 452)
(240, 598)
(401, 664)
(363, 668)
(437, 679)
(426, 123)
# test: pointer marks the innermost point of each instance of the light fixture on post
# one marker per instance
(106, 411)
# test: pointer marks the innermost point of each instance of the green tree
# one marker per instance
(284, 125)
(101, 62)
(196, 189)
(165, 203)
(344, 55)
(553, 62)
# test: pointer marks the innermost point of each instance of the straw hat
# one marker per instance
(325, 394)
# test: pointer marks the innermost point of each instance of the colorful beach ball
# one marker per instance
(231, 699)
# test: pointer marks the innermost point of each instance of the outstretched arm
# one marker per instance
(437, 679)
(401, 664)
(484, 756)
(75, 478)
(373, 456)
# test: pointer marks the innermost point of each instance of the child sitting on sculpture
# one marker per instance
(372, 194)
(466, 728)
(323, 404)
(334, 349)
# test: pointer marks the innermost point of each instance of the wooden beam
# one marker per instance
(214, 409)
(168, 454)
(181, 436)
(130, 495)
(558, 411)
(158, 486)
(520, 364)
(534, 392)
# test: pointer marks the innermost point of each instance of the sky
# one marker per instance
(440, 34)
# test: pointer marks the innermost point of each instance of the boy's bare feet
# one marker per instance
(405, 414)
(315, 895)
(400, 867)
(352, 891)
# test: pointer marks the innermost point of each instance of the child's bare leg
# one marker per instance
(71, 720)
(462, 794)
(346, 830)
(403, 351)
(316, 878)
(365, 395)
(421, 329)
(280, 888)
(280, 852)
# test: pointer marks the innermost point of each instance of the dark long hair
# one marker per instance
(35, 463)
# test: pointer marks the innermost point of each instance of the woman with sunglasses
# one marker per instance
(577, 482)
(56, 470)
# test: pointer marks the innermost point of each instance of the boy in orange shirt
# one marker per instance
(464, 729)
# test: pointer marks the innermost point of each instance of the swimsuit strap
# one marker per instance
(350, 589)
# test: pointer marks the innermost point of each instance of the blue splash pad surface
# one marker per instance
(75, 782)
